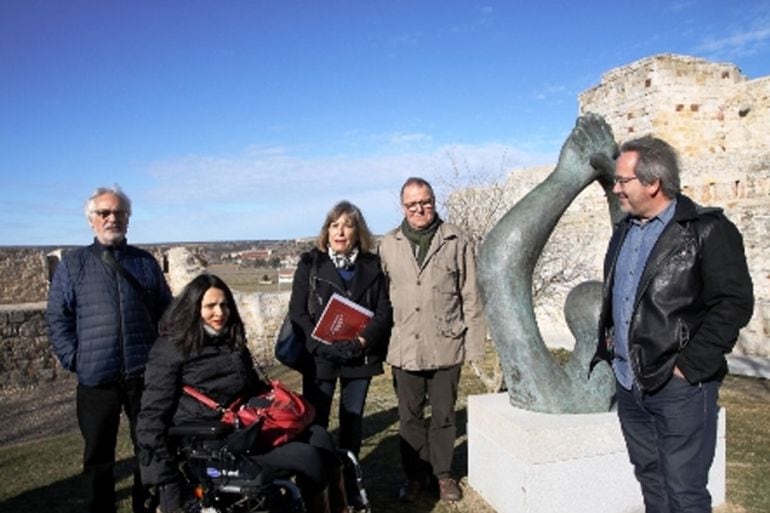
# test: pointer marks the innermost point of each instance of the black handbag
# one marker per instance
(290, 347)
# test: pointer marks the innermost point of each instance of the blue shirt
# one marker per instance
(632, 259)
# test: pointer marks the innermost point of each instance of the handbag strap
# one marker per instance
(108, 258)
(312, 309)
(203, 398)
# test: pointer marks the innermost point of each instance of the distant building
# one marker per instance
(286, 275)
(257, 254)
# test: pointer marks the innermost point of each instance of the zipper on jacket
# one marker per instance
(121, 338)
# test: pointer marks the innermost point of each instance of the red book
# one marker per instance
(342, 319)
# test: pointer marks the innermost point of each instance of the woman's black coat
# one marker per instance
(367, 288)
(218, 370)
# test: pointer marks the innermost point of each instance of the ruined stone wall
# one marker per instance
(23, 275)
(262, 314)
(718, 120)
(26, 355)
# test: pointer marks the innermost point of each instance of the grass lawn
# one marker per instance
(42, 476)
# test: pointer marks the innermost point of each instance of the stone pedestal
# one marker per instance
(525, 462)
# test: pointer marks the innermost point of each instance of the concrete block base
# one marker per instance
(525, 462)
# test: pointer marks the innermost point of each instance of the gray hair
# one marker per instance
(658, 160)
(125, 201)
(416, 180)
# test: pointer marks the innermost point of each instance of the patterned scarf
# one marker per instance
(341, 260)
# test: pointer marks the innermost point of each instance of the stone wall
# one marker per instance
(262, 313)
(700, 107)
(26, 355)
(27, 358)
(24, 275)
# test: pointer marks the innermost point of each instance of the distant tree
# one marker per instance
(473, 199)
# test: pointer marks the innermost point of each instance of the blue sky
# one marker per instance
(250, 119)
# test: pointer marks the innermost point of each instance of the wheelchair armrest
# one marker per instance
(202, 430)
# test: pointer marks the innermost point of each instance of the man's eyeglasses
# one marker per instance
(414, 205)
(104, 213)
(623, 180)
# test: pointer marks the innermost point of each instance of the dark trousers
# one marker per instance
(427, 447)
(671, 439)
(353, 394)
(98, 411)
(299, 457)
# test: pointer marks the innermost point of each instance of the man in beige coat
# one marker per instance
(438, 323)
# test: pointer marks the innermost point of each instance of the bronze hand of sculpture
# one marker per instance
(507, 259)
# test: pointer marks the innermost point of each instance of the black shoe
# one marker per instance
(410, 491)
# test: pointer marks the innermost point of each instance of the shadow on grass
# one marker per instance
(381, 462)
(65, 496)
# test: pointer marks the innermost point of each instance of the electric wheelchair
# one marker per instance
(220, 479)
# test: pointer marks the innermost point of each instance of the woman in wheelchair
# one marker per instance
(202, 344)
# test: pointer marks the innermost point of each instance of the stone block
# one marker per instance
(527, 462)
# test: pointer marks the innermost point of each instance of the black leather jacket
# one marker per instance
(693, 298)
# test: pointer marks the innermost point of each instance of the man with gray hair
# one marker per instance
(677, 291)
(103, 310)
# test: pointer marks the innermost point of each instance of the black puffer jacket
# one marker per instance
(218, 371)
(693, 298)
(367, 288)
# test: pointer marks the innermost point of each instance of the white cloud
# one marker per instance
(676, 7)
(403, 139)
(739, 41)
(272, 192)
(549, 91)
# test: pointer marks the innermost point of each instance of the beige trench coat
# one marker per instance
(438, 318)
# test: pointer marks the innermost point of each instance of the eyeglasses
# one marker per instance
(623, 180)
(104, 213)
(414, 205)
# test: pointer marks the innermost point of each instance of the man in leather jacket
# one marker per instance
(676, 293)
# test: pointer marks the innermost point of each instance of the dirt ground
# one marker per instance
(46, 410)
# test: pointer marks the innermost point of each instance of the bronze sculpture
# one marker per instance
(507, 258)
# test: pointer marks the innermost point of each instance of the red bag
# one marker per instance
(285, 413)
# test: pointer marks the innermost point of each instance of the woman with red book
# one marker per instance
(342, 262)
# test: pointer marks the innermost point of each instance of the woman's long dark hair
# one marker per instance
(182, 322)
